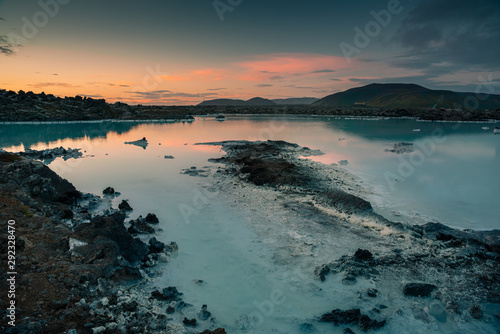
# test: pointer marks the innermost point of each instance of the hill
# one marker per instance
(402, 96)
(256, 101)
(296, 101)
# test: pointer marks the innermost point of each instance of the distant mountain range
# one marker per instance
(296, 101)
(404, 96)
(256, 101)
(392, 95)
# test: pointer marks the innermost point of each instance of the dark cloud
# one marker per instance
(323, 71)
(335, 79)
(298, 87)
(264, 85)
(52, 84)
(213, 89)
(115, 85)
(2, 19)
(444, 36)
(6, 47)
(277, 77)
(164, 94)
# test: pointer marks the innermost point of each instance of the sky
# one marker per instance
(178, 52)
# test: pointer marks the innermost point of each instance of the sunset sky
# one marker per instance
(185, 51)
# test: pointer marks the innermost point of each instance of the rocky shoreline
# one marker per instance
(80, 270)
(445, 278)
(30, 107)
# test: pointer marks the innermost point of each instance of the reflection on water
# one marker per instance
(33, 134)
(452, 177)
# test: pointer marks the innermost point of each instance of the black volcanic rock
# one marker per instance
(111, 227)
(418, 289)
(152, 219)
(124, 206)
(352, 316)
(108, 191)
(168, 294)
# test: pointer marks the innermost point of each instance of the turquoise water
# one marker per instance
(452, 177)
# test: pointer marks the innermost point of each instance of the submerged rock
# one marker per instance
(401, 148)
(169, 294)
(418, 289)
(476, 312)
(307, 328)
(371, 292)
(352, 316)
(189, 322)
(204, 314)
(215, 331)
(322, 271)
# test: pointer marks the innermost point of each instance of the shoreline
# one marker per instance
(274, 115)
(79, 269)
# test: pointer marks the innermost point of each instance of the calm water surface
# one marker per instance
(452, 177)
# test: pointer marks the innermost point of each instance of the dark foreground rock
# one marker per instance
(352, 316)
(418, 289)
(140, 226)
(124, 206)
(81, 272)
(109, 191)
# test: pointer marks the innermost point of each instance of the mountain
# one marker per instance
(296, 101)
(396, 95)
(256, 101)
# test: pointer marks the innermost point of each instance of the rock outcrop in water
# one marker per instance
(141, 143)
(50, 154)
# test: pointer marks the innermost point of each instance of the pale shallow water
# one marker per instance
(456, 183)
(452, 177)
